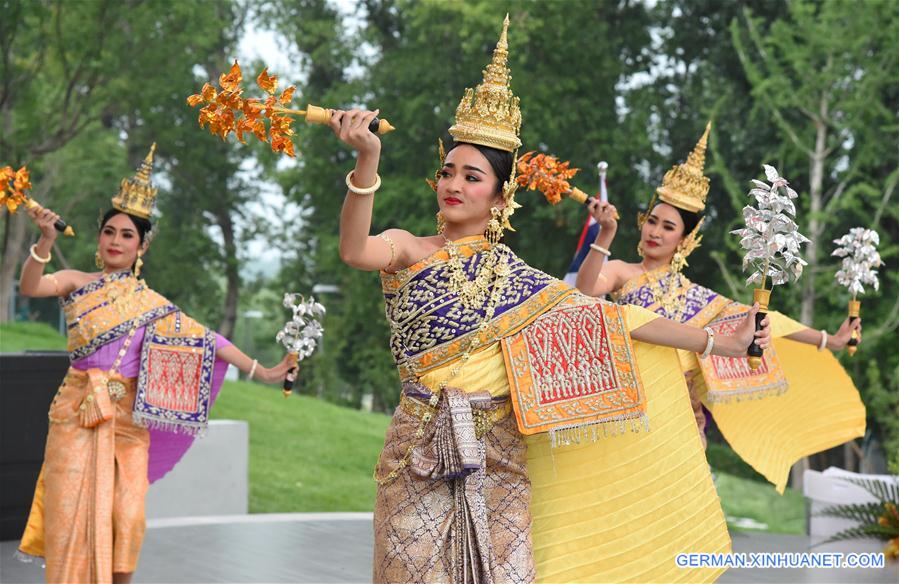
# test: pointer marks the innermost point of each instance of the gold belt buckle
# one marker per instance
(116, 390)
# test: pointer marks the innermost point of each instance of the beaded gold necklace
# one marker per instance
(672, 300)
(472, 293)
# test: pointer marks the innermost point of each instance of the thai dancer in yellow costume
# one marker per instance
(498, 361)
(142, 380)
(810, 403)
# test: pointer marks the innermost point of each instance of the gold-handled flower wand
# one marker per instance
(858, 248)
(228, 112)
(301, 334)
(544, 173)
(771, 240)
(13, 185)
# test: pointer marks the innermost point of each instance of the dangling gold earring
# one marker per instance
(494, 230)
(686, 246)
(640, 248)
(441, 223)
(677, 260)
(138, 265)
(98, 261)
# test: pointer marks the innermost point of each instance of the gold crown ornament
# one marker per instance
(489, 115)
(685, 186)
(137, 195)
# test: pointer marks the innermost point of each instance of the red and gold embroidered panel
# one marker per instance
(574, 366)
(730, 378)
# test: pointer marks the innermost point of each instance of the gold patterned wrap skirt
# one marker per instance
(87, 519)
(459, 511)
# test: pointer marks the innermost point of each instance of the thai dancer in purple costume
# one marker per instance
(143, 378)
(499, 361)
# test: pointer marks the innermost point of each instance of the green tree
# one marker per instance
(825, 76)
(55, 62)
(77, 77)
(320, 44)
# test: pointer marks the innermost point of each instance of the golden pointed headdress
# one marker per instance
(137, 195)
(489, 115)
(685, 186)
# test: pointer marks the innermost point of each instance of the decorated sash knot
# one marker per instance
(450, 448)
(97, 407)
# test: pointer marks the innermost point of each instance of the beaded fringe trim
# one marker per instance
(738, 395)
(580, 433)
(197, 429)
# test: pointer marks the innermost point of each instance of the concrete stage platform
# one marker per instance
(337, 547)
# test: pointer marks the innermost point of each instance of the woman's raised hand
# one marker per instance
(746, 332)
(840, 339)
(605, 214)
(277, 373)
(351, 127)
(45, 219)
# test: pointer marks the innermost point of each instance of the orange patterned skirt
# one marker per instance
(87, 519)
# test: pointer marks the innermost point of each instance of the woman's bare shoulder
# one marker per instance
(415, 248)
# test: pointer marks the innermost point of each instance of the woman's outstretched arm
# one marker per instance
(668, 333)
(834, 342)
(244, 363)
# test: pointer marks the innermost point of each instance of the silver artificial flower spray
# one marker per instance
(858, 248)
(771, 240)
(302, 333)
(771, 237)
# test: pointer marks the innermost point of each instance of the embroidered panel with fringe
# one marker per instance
(175, 382)
(730, 378)
(573, 374)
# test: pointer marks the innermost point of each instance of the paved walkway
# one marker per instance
(337, 547)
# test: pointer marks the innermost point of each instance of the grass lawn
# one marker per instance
(310, 455)
(305, 454)
(745, 498)
(18, 336)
